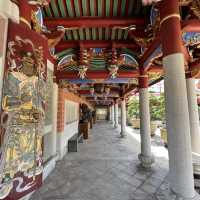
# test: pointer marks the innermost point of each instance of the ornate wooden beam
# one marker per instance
(156, 81)
(158, 69)
(86, 22)
(187, 26)
(86, 92)
(96, 44)
(96, 75)
(100, 100)
(195, 65)
(155, 68)
(192, 25)
(148, 53)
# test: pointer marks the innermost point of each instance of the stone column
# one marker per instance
(123, 118)
(194, 123)
(177, 117)
(113, 115)
(54, 119)
(116, 114)
(146, 158)
(110, 113)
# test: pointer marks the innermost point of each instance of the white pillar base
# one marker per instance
(116, 126)
(123, 134)
(146, 161)
(165, 193)
(196, 163)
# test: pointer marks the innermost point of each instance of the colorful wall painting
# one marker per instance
(23, 112)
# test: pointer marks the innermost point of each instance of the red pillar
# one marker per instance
(170, 27)
(143, 81)
(25, 12)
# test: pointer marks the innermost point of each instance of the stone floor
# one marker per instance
(105, 167)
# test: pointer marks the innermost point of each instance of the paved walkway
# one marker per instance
(105, 167)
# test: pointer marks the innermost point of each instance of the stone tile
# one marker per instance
(154, 181)
(139, 195)
(105, 168)
(148, 188)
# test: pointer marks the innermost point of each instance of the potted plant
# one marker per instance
(163, 132)
(157, 111)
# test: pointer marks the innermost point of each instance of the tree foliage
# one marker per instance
(133, 108)
(157, 107)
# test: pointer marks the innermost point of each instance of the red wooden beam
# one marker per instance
(152, 68)
(96, 44)
(95, 75)
(152, 47)
(87, 22)
(100, 100)
(195, 64)
(191, 25)
(85, 92)
(187, 26)
(128, 90)
(155, 68)
(131, 92)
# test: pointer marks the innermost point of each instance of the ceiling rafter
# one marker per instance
(88, 22)
(97, 44)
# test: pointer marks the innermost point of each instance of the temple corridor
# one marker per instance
(105, 167)
(120, 76)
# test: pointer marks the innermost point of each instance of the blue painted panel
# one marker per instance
(118, 80)
(80, 81)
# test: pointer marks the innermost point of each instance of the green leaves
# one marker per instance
(133, 108)
(157, 107)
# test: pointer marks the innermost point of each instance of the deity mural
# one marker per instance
(22, 116)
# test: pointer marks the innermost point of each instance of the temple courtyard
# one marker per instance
(107, 167)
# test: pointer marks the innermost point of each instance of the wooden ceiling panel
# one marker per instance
(100, 8)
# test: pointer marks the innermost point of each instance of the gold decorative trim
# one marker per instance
(143, 76)
(22, 19)
(170, 16)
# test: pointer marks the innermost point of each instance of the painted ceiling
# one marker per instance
(95, 8)
(106, 42)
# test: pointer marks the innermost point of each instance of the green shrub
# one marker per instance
(157, 107)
